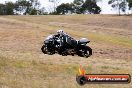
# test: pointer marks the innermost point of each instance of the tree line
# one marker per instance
(121, 5)
(21, 7)
(79, 7)
(33, 7)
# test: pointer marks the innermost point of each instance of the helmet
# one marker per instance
(60, 31)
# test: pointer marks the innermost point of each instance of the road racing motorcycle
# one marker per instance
(67, 46)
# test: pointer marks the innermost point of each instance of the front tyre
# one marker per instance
(44, 49)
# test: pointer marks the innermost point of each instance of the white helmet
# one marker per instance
(60, 31)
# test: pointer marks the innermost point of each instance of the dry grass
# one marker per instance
(23, 65)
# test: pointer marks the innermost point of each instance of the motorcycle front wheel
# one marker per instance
(44, 49)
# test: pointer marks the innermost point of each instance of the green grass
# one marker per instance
(127, 42)
(49, 68)
(35, 73)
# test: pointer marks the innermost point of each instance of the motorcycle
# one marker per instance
(67, 46)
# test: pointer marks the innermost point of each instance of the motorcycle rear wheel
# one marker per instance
(86, 52)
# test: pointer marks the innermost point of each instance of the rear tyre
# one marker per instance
(87, 52)
(90, 50)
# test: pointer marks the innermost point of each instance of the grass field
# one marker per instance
(23, 65)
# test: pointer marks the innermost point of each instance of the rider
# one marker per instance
(62, 36)
(48, 42)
